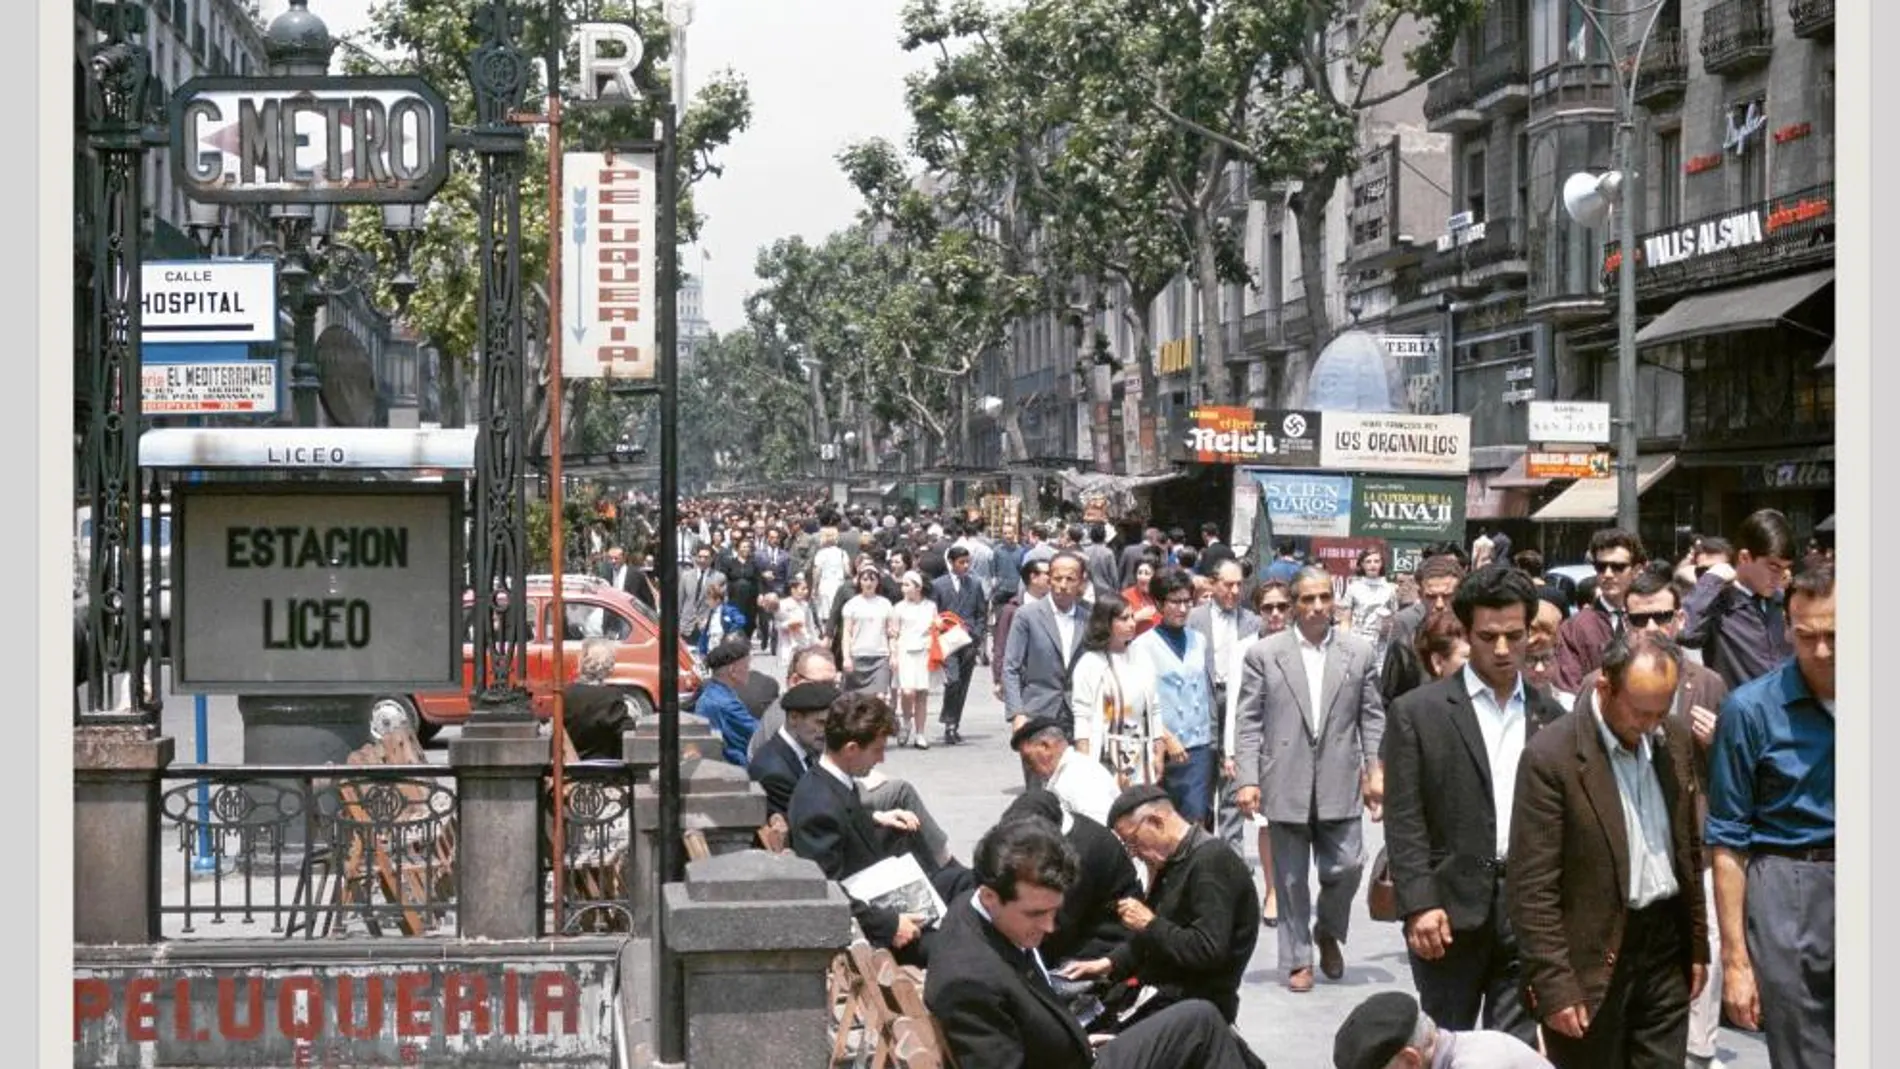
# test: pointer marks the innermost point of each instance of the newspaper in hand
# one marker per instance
(897, 883)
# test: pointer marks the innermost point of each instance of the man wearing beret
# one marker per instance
(720, 702)
(1389, 1031)
(782, 760)
(1082, 783)
(1195, 933)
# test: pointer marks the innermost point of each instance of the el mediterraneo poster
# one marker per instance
(1409, 510)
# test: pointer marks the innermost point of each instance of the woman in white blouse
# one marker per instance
(1112, 697)
(1370, 600)
(828, 568)
(911, 620)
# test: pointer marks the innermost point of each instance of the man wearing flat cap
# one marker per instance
(1389, 1031)
(1082, 783)
(720, 702)
(782, 760)
(1195, 933)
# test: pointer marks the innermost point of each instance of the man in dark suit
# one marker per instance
(1213, 550)
(960, 593)
(1605, 861)
(1450, 755)
(1196, 930)
(1089, 925)
(1308, 725)
(831, 826)
(989, 989)
(782, 760)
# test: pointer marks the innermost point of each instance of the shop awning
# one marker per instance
(1591, 500)
(1827, 359)
(1827, 524)
(1514, 477)
(1744, 308)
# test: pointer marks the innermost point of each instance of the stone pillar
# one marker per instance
(302, 729)
(717, 798)
(498, 773)
(752, 934)
(640, 748)
(116, 774)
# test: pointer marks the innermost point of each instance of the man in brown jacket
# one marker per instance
(1605, 858)
(1651, 605)
(1617, 555)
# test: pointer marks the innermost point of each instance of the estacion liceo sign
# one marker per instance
(319, 140)
(287, 588)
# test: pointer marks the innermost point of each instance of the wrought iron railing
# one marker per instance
(1260, 329)
(306, 850)
(1811, 17)
(1447, 93)
(1502, 67)
(1664, 71)
(597, 845)
(1736, 33)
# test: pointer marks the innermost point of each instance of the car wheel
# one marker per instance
(393, 712)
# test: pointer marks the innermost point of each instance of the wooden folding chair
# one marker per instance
(775, 835)
(845, 986)
(874, 1008)
(914, 1044)
(696, 846)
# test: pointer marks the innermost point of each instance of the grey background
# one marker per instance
(219, 626)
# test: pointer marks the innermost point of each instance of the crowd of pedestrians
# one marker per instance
(1608, 812)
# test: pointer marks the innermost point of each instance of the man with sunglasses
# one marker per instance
(1617, 554)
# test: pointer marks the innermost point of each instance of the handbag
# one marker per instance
(952, 636)
(1382, 898)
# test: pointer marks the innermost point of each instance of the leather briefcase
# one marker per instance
(1382, 899)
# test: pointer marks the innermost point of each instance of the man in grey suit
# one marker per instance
(960, 592)
(1044, 640)
(1308, 724)
(693, 583)
(1228, 625)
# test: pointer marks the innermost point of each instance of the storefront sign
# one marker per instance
(207, 301)
(1789, 475)
(310, 140)
(411, 1013)
(1301, 504)
(1421, 510)
(1579, 422)
(1736, 136)
(1410, 346)
(607, 220)
(1709, 236)
(1571, 465)
(312, 588)
(1175, 356)
(204, 380)
(1699, 164)
(1793, 132)
(1395, 442)
(1215, 435)
(1340, 558)
(1406, 557)
(606, 79)
(361, 448)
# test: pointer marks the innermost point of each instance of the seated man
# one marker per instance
(720, 702)
(1389, 1031)
(783, 759)
(596, 715)
(814, 664)
(832, 826)
(1083, 783)
(1196, 931)
(1089, 925)
(988, 987)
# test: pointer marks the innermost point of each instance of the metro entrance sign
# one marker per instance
(302, 588)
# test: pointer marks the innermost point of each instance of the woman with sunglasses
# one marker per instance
(1273, 601)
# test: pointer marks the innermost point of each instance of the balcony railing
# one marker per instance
(1572, 86)
(1812, 18)
(1664, 74)
(1770, 237)
(1497, 249)
(1450, 103)
(1562, 282)
(1262, 331)
(1502, 80)
(1737, 36)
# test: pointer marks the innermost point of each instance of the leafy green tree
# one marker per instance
(740, 411)
(434, 40)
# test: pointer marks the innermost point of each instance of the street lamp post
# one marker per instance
(1588, 198)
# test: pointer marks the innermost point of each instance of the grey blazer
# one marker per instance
(1036, 666)
(1306, 770)
(1201, 618)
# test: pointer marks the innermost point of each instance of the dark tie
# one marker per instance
(1032, 971)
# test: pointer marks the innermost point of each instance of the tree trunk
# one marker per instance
(1213, 354)
(1309, 210)
(963, 420)
(820, 418)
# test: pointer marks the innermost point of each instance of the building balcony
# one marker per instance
(1263, 331)
(1502, 80)
(1451, 106)
(1737, 36)
(1664, 74)
(1295, 325)
(1571, 86)
(1492, 250)
(1812, 18)
(1770, 237)
(1563, 287)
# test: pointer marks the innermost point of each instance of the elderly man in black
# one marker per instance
(989, 989)
(1195, 933)
(1089, 926)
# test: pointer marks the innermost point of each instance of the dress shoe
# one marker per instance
(1301, 981)
(952, 737)
(1270, 912)
(1331, 961)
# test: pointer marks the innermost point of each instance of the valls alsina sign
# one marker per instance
(309, 140)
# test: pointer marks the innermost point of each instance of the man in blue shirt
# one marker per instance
(730, 663)
(1771, 825)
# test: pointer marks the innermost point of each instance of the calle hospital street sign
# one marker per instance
(318, 587)
(313, 140)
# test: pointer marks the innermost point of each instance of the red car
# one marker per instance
(594, 608)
